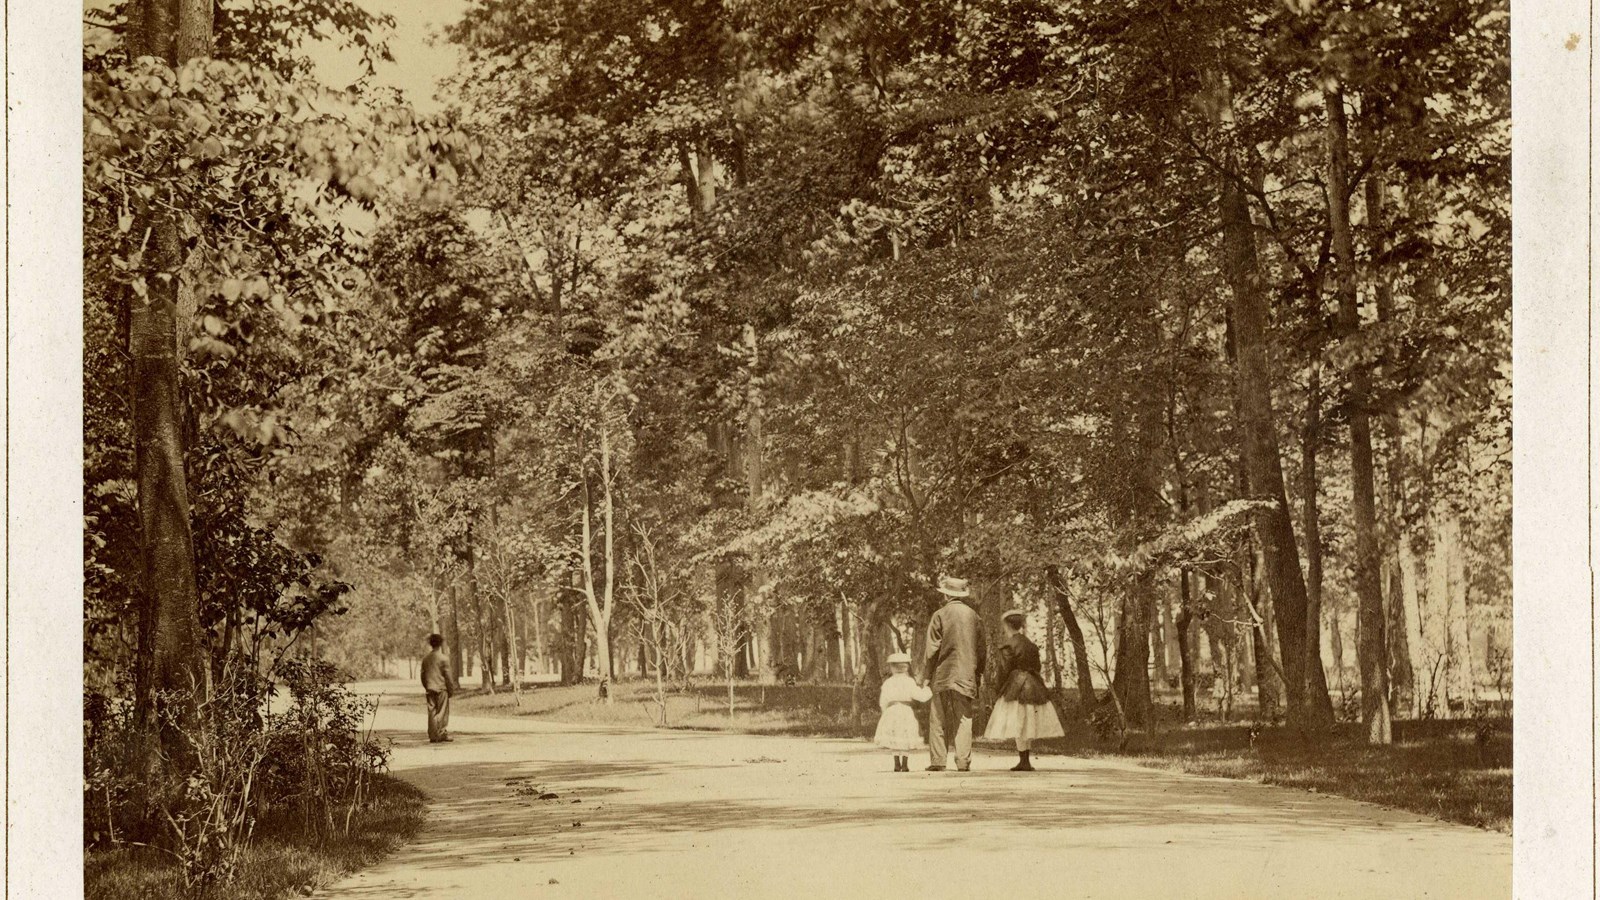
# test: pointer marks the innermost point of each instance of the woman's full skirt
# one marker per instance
(1029, 721)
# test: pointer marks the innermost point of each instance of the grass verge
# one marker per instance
(1435, 768)
(280, 861)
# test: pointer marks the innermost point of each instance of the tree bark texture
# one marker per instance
(1131, 680)
(599, 599)
(1310, 487)
(1262, 465)
(453, 633)
(1402, 674)
(171, 659)
(1372, 651)
(1186, 641)
(1158, 637)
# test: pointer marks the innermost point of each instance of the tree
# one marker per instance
(175, 32)
(658, 603)
(768, 289)
(1373, 649)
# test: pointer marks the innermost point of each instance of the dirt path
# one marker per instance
(654, 814)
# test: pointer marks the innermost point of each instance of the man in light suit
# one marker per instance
(953, 664)
(439, 683)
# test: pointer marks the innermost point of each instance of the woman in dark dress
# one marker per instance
(1023, 710)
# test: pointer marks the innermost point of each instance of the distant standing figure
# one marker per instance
(439, 683)
(952, 666)
(897, 726)
(1023, 710)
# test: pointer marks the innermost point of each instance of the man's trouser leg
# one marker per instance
(937, 739)
(960, 710)
(438, 714)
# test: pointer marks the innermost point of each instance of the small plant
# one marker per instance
(1489, 717)
(1430, 699)
(1108, 722)
(1486, 724)
(1499, 665)
(1350, 706)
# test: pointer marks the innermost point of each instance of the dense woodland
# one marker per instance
(701, 336)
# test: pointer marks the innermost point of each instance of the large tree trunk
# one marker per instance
(1186, 639)
(453, 633)
(170, 659)
(1263, 468)
(1372, 651)
(1080, 649)
(1310, 486)
(1131, 679)
(599, 600)
(767, 636)
(1403, 680)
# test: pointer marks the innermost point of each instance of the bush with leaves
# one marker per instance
(311, 761)
(319, 761)
(203, 814)
(114, 804)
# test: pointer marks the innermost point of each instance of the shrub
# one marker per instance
(1107, 721)
(115, 802)
(311, 761)
(318, 760)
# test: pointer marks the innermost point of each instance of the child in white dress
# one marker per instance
(897, 727)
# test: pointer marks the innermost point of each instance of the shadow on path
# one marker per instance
(471, 829)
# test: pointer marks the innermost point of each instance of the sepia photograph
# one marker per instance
(784, 448)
